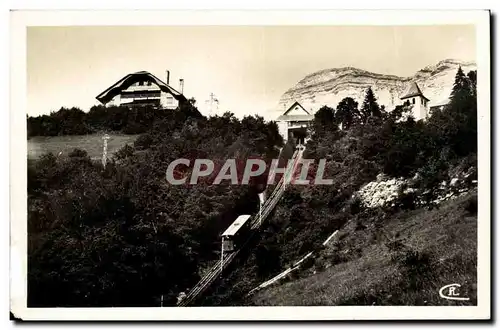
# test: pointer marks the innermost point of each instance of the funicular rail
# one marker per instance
(256, 222)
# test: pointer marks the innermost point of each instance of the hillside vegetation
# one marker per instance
(122, 236)
(99, 119)
(372, 142)
(64, 144)
(401, 259)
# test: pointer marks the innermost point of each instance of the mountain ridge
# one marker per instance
(330, 86)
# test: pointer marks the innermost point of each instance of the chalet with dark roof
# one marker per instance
(143, 88)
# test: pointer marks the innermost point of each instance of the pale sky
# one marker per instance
(247, 67)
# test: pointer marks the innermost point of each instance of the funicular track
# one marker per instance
(256, 222)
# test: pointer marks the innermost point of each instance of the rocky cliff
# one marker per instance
(330, 86)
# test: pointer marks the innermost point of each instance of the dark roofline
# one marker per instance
(295, 118)
(113, 90)
(418, 92)
(413, 95)
(293, 105)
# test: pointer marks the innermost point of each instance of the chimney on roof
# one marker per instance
(181, 86)
(167, 77)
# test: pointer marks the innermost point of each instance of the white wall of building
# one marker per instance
(296, 111)
(167, 101)
(283, 129)
(115, 101)
(419, 107)
(136, 87)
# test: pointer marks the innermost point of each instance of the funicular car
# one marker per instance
(236, 233)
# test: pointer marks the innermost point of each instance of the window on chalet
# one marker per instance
(413, 100)
(170, 100)
(141, 83)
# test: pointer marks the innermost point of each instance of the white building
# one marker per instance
(143, 88)
(417, 101)
(295, 118)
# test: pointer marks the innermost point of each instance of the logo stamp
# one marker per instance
(451, 292)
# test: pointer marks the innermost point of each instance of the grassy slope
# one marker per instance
(403, 259)
(92, 143)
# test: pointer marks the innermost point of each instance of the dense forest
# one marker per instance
(121, 236)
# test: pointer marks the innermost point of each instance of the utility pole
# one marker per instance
(105, 139)
(261, 201)
(260, 214)
(221, 253)
(213, 100)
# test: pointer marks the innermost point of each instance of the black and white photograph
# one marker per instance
(218, 165)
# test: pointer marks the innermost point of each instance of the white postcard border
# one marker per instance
(18, 150)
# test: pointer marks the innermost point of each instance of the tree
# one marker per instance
(456, 126)
(400, 112)
(347, 113)
(324, 120)
(370, 106)
(472, 76)
(324, 116)
(460, 85)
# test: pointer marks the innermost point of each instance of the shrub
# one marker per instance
(470, 205)
(416, 267)
(124, 152)
(355, 205)
(78, 153)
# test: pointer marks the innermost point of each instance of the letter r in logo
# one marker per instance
(451, 291)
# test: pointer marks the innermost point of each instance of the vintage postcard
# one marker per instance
(250, 165)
